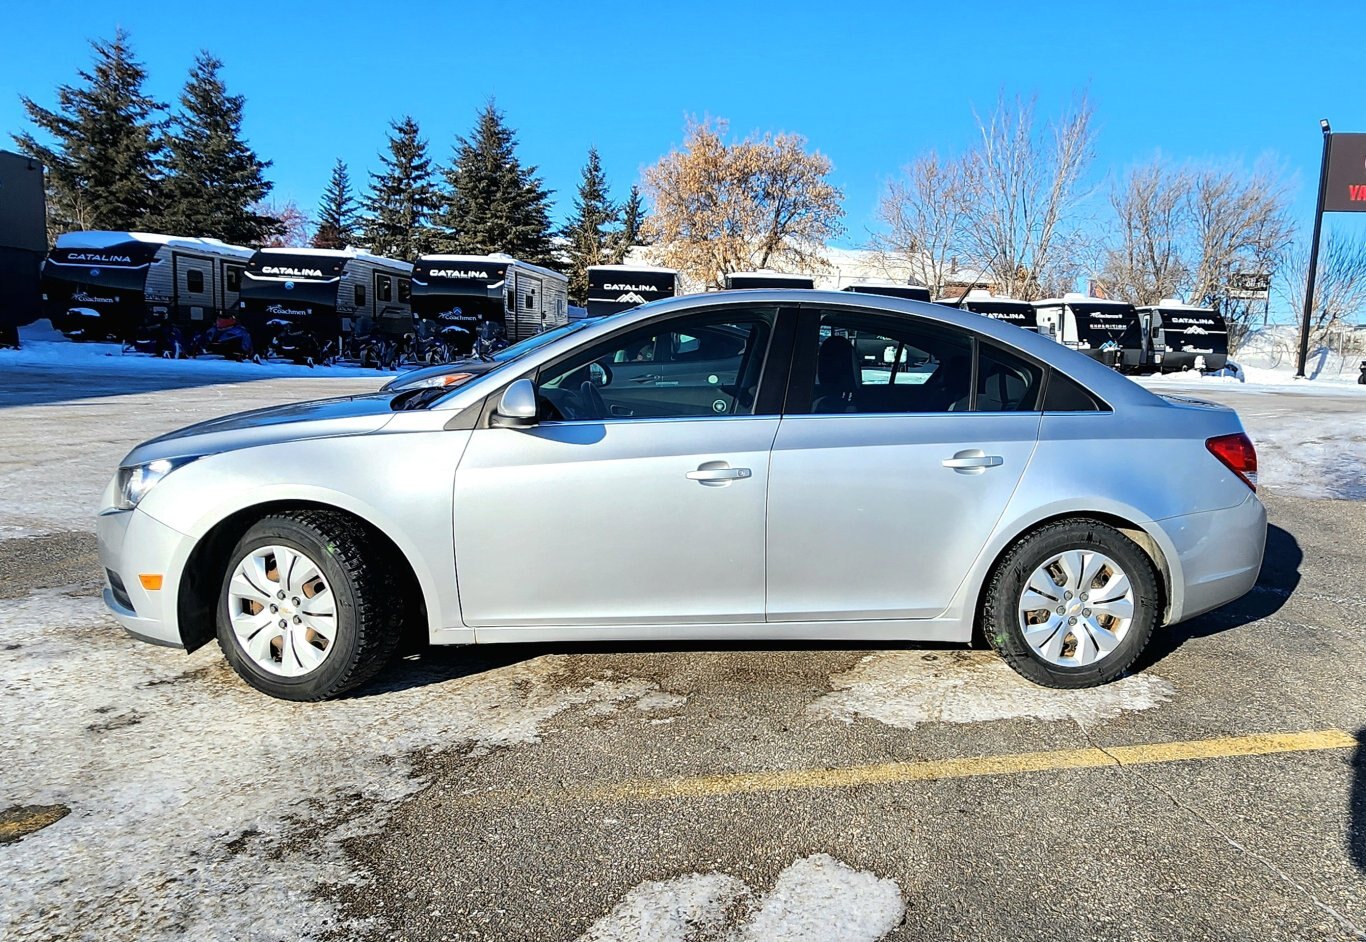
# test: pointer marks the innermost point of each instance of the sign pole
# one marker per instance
(1312, 276)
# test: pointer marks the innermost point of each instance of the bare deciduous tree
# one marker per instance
(295, 229)
(926, 214)
(1339, 292)
(1149, 262)
(1185, 232)
(1024, 186)
(722, 207)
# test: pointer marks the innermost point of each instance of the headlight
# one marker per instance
(133, 483)
(444, 380)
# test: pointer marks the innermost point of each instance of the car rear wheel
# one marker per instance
(1072, 604)
(306, 611)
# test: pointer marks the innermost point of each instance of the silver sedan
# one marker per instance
(754, 464)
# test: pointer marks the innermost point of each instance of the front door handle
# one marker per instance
(972, 461)
(717, 474)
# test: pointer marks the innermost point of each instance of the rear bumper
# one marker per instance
(1218, 556)
(132, 544)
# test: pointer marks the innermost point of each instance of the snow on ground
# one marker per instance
(42, 346)
(907, 688)
(77, 409)
(816, 898)
(185, 785)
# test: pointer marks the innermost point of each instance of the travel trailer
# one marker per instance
(328, 293)
(613, 288)
(980, 301)
(909, 292)
(767, 279)
(1105, 330)
(465, 291)
(102, 285)
(1186, 337)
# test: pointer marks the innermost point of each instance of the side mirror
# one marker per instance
(599, 374)
(518, 407)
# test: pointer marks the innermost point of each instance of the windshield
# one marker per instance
(523, 347)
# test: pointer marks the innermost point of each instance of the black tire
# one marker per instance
(1000, 615)
(369, 626)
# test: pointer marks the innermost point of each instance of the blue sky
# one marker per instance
(871, 84)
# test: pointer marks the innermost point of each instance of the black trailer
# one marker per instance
(909, 292)
(23, 243)
(330, 294)
(1186, 337)
(613, 288)
(767, 279)
(1105, 330)
(1019, 313)
(104, 285)
(458, 295)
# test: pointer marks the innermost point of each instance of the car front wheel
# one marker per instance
(307, 611)
(1072, 604)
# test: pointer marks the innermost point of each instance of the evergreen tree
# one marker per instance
(590, 241)
(337, 214)
(102, 159)
(493, 203)
(403, 198)
(632, 224)
(213, 179)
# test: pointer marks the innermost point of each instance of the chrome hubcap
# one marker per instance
(283, 613)
(1076, 608)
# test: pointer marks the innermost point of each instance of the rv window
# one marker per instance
(194, 281)
(530, 300)
(405, 291)
(384, 288)
(232, 278)
(360, 295)
(512, 299)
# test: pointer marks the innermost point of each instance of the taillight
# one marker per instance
(1237, 454)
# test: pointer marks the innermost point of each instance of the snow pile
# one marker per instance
(201, 809)
(907, 688)
(816, 898)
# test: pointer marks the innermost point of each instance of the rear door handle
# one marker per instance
(717, 474)
(972, 461)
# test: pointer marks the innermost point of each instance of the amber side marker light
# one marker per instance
(151, 581)
(1237, 454)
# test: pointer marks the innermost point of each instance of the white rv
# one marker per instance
(1185, 337)
(101, 285)
(324, 291)
(1105, 330)
(982, 301)
(613, 288)
(767, 279)
(466, 291)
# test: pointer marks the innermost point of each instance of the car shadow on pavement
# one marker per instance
(1279, 578)
(1356, 820)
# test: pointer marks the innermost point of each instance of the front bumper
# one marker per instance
(132, 544)
(1219, 555)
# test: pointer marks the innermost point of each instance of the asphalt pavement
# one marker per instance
(612, 792)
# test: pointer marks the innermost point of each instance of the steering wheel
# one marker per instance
(592, 401)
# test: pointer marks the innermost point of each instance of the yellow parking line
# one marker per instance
(704, 786)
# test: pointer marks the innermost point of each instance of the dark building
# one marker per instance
(23, 243)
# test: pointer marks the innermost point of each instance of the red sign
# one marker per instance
(1346, 191)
